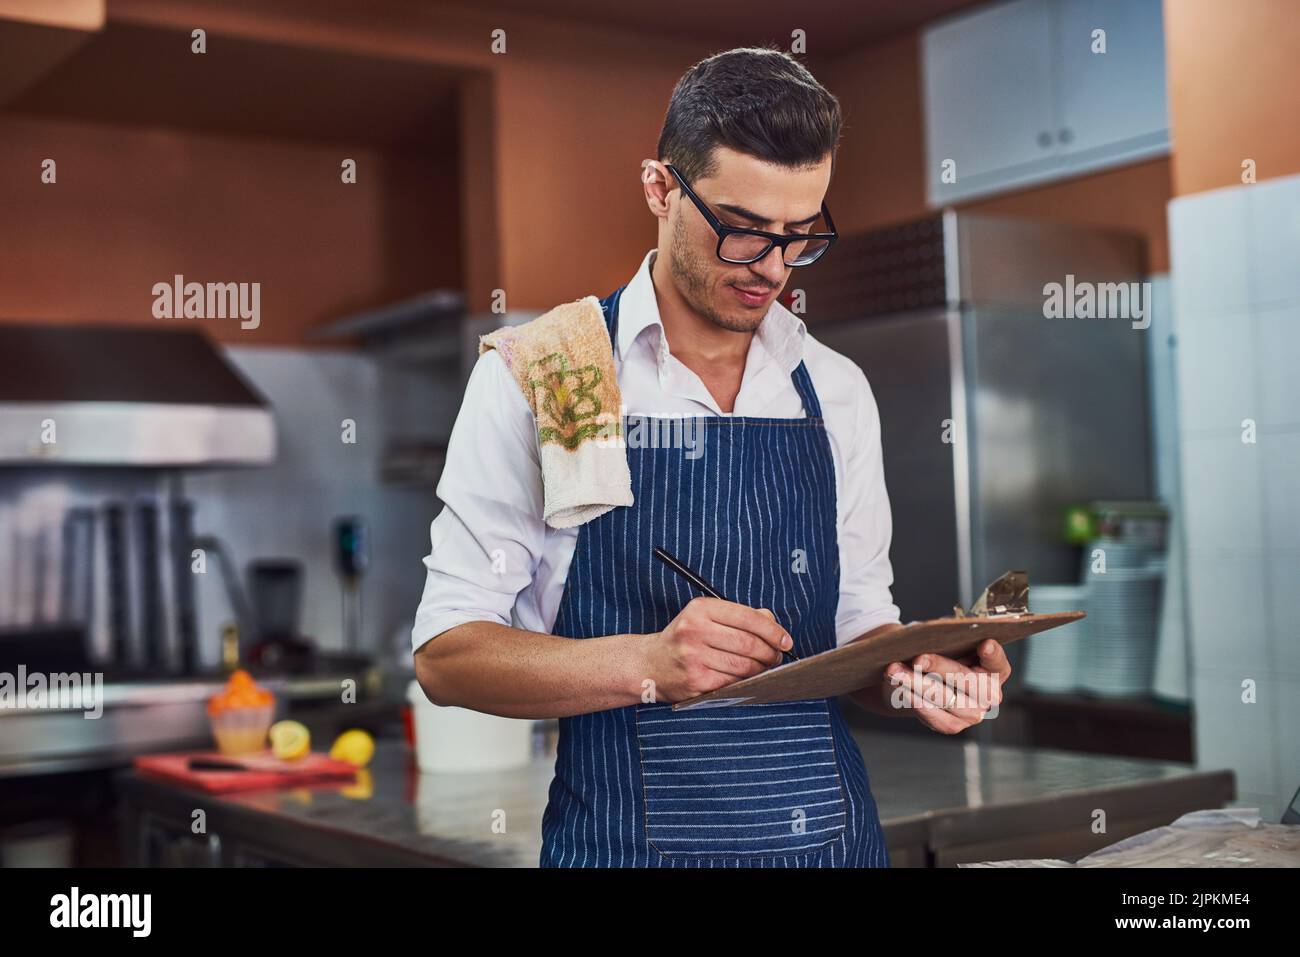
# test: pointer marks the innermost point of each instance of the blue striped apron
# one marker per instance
(780, 785)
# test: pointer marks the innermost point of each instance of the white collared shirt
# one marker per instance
(494, 559)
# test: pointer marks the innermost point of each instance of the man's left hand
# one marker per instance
(947, 694)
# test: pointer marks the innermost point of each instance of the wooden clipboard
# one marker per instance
(861, 663)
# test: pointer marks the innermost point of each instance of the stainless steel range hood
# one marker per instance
(125, 395)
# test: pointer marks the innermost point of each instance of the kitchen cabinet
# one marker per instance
(1112, 103)
(1020, 93)
(987, 107)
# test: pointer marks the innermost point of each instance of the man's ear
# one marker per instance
(657, 183)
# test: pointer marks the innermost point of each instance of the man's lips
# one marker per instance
(754, 296)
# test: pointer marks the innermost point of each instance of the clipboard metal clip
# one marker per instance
(1006, 597)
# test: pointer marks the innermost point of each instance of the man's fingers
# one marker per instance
(935, 695)
(751, 620)
(933, 717)
(930, 662)
(978, 683)
(994, 657)
(736, 641)
(733, 665)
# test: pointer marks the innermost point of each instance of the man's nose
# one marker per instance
(771, 267)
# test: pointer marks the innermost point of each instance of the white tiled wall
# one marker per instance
(1236, 294)
(1171, 680)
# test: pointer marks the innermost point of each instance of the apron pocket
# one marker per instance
(747, 781)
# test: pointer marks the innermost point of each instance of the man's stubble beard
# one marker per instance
(690, 274)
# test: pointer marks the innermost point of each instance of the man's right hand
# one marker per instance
(709, 645)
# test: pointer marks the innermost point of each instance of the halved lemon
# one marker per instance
(290, 740)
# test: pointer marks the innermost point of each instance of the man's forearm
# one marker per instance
(490, 667)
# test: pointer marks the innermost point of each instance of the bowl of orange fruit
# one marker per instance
(241, 715)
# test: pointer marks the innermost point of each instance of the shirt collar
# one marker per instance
(781, 333)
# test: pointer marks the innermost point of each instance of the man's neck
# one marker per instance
(714, 354)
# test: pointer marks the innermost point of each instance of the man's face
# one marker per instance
(750, 193)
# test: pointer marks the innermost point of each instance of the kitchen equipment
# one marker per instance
(8, 564)
(44, 649)
(40, 558)
(246, 627)
(457, 739)
(77, 600)
(351, 559)
(275, 597)
(126, 395)
(149, 582)
(119, 612)
(993, 418)
(181, 524)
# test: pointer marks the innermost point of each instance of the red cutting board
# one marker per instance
(264, 770)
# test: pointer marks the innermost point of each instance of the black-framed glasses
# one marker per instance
(743, 246)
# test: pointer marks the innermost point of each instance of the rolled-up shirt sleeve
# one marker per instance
(866, 528)
(488, 538)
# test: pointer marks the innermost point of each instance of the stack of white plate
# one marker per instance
(1123, 606)
(1052, 658)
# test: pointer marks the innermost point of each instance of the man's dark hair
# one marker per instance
(757, 101)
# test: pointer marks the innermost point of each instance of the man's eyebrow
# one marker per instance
(753, 217)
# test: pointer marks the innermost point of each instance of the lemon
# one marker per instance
(355, 747)
(290, 740)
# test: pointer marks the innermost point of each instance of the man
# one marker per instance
(785, 513)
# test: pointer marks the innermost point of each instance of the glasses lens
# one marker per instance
(802, 253)
(741, 248)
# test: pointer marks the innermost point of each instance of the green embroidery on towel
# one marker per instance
(568, 401)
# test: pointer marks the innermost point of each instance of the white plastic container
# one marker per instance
(457, 739)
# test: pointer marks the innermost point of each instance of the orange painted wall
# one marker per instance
(572, 131)
(132, 207)
(572, 110)
(1234, 90)
(879, 174)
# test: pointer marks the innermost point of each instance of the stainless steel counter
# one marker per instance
(942, 801)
